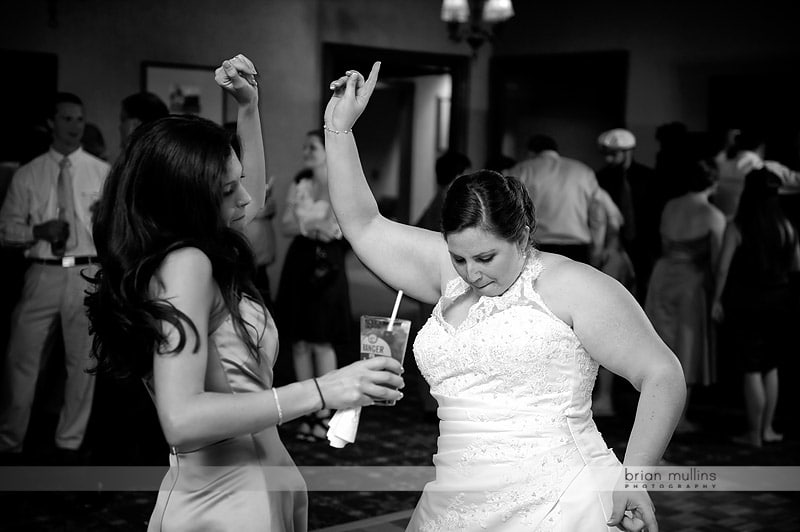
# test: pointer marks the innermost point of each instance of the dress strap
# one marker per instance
(533, 269)
(455, 287)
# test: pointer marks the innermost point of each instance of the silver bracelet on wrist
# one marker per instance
(278, 406)
(336, 131)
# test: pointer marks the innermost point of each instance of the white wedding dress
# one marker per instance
(514, 388)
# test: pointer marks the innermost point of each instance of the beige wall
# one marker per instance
(423, 172)
(101, 43)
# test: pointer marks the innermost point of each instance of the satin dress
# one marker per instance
(517, 439)
(244, 484)
(678, 305)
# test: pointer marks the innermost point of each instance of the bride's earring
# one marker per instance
(525, 245)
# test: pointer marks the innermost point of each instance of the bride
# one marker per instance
(511, 351)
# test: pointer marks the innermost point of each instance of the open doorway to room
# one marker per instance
(572, 97)
(418, 110)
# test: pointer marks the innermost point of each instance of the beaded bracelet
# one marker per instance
(336, 131)
(320, 393)
(278, 405)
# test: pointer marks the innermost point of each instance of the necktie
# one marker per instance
(66, 205)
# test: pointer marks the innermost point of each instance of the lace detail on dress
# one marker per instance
(509, 346)
(527, 491)
(520, 292)
(514, 388)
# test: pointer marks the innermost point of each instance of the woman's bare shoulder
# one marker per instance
(187, 268)
(186, 259)
(563, 282)
(560, 272)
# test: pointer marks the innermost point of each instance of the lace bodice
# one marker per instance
(510, 350)
(514, 387)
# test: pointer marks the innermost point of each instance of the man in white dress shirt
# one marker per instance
(48, 210)
(563, 191)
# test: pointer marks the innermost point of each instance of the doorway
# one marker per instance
(400, 171)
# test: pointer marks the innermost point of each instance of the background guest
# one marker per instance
(47, 209)
(760, 249)
(313, 297)
(562, 190)
(678, 299)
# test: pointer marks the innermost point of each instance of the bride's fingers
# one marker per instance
(372, 80)
(359, 78)
(338, 83)
(352, 83)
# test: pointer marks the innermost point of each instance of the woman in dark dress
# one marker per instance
(752, 297)
(313, 297)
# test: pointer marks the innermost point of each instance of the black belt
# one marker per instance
(65, 262)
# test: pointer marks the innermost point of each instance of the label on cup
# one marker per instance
(373, 346)
(378, 341)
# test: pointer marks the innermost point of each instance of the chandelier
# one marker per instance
(473, 20)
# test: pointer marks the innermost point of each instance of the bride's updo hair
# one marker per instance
(491, 201)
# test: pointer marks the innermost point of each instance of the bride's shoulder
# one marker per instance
(564, 283)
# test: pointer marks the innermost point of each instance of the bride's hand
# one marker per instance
(633, 511)
(351, 93)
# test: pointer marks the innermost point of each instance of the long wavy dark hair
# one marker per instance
(767, 233)
(487, 199)
(163, 193)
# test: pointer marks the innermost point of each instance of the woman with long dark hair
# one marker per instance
(752, 297)
(174, 303)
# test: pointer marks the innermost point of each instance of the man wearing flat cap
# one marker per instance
(635, 190)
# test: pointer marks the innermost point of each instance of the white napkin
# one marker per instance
(343, 426)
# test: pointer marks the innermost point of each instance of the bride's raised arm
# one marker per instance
(406, 258)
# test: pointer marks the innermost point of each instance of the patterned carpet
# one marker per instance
(402, 435)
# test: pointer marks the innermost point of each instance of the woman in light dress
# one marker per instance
(175, 304)
(511, 352)
(679, 294)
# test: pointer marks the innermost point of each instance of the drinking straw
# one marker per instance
(394, 310)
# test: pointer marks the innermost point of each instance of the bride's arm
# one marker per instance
(404, 257)
(616, 333)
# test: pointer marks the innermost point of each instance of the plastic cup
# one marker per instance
(377, 341)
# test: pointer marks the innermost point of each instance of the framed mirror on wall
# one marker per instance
(188, 89)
